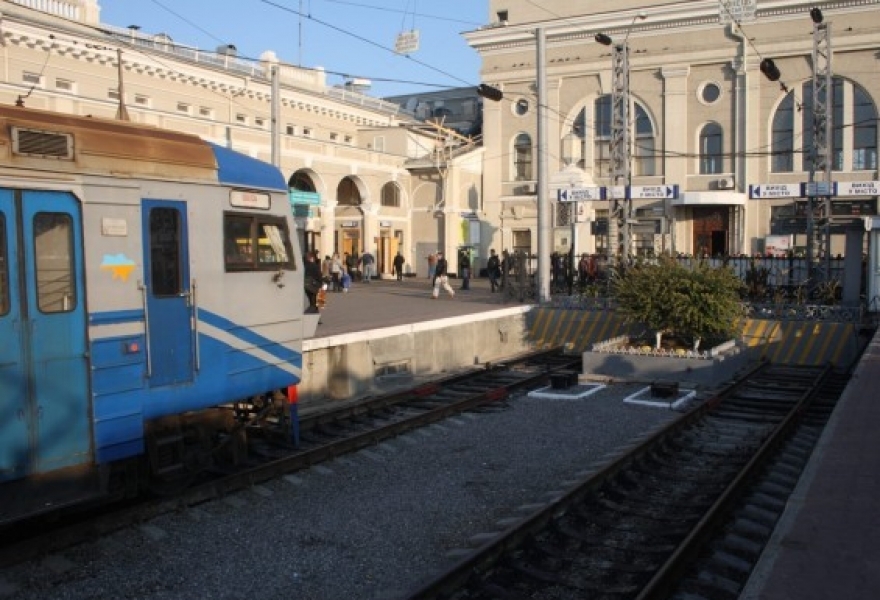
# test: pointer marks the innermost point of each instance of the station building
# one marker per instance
(449, 170)
(364, 174)
(729, 148)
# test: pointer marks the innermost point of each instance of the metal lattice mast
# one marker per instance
(820, 188)
(618, 220)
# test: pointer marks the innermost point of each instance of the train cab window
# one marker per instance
(256, 242)
(53, 248)
(4, 268)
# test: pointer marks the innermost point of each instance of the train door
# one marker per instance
(45, 411)
(168, 293)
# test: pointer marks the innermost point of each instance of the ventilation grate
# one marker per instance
(47, 144)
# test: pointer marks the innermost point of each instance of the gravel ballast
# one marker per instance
(371, 525)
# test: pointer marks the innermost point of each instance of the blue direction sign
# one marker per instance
(776, 190)
(656, 192)
(820, 188)
(577, 194)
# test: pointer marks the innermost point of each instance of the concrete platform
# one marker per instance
(388, 334)
(827, 544)
(387, 303)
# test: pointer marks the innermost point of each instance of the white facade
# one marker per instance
(705, 119)
(346, 155)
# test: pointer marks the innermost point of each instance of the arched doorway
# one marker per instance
(305, 202)
(349, 219)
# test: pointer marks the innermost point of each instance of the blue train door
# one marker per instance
(169, 300)
(45, 410)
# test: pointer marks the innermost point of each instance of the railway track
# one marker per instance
(324, 435)
(684, 514)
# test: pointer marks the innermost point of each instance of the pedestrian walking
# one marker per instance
(441, 279)
(432, 267)
(351, 263)
(493, 268)
(464, 265)
(398, 265)
(336, 273)
(367, 262)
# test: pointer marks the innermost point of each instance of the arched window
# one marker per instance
(711, 149)
(347, 193)
(852, 143)
(783, 137)
(864, 131)
(390, 195)
(642, 143)
(836, 141)
(522, 157)
(643, 150)
(301, 181)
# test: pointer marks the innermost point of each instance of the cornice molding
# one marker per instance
(684, 15)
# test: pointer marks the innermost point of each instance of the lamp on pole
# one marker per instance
(621, 148)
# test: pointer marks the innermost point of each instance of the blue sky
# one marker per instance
(349, 37)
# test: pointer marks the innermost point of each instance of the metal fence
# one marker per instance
(774, 287)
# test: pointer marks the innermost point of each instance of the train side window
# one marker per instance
(256, 243)
(4, 268)
(53, 249)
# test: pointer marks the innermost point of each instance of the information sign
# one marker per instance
(407, 42)
(776, 190)
(736, 10)
(858, 188)
(820, 188)
(642, 192)
(578, 194)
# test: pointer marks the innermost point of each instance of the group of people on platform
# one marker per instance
(335, 273)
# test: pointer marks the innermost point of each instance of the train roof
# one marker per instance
(95, 145)
(235, 168)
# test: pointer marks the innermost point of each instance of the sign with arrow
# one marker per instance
(653, 192)
(759, 191)
(577, 194)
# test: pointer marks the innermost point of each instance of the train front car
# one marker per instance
(151, 307)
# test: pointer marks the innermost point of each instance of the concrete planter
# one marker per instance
(618, 359)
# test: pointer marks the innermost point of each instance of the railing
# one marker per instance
(69, 9)
(775, 288)
(313, 80)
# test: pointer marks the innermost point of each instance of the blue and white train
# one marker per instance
(151, 306)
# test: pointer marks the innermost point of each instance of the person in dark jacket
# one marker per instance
(441, 279)
(312, 281)
(398, 266)
(493, 268)
(464, 265)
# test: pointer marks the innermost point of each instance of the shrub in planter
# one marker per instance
(695, 303)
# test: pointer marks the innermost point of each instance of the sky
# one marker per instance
(348, 38)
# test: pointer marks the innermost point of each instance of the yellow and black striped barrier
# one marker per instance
(781, 342)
